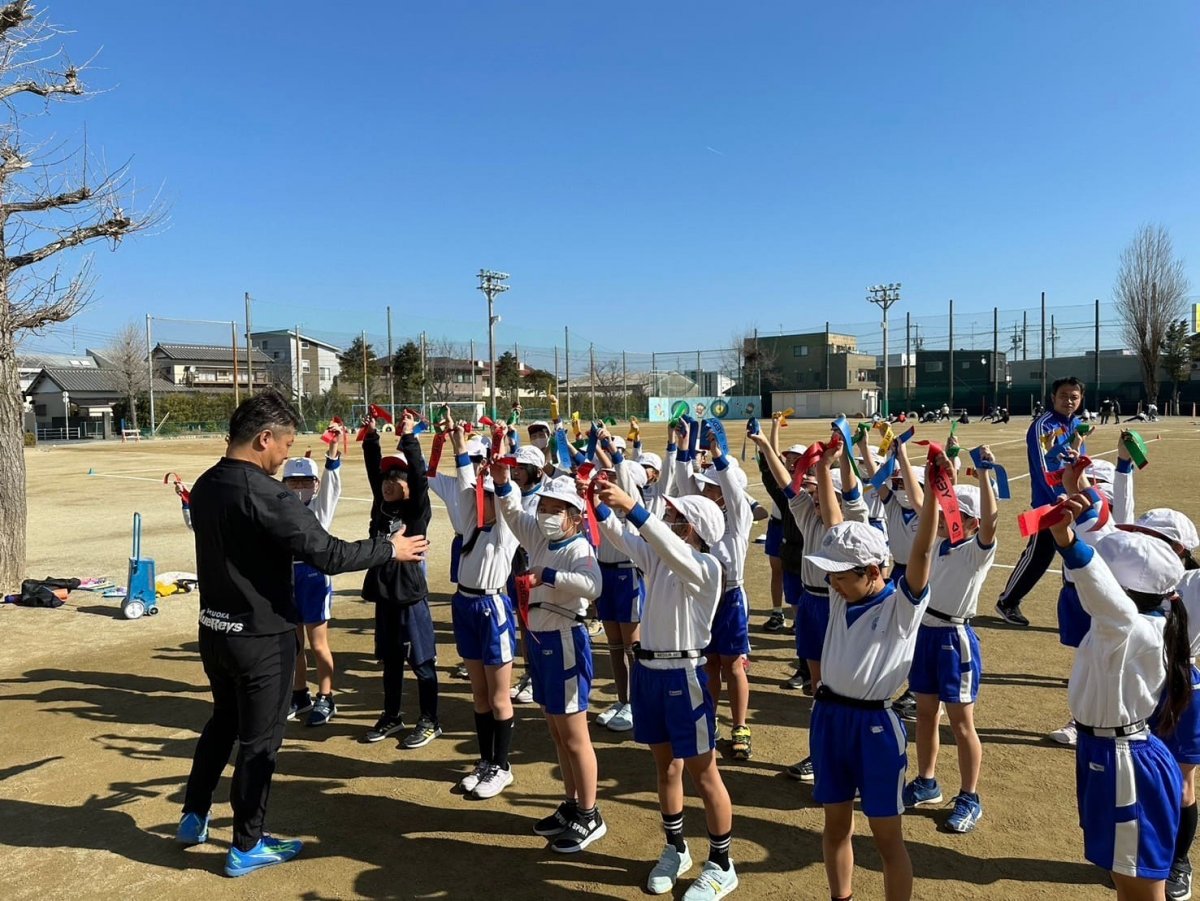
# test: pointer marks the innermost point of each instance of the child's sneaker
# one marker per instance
(1179, 881)
(604, 718)
(422, 734)
(268, 852)
(460, 672)
(775, 622)
(384, 726)
(322, 711)
(671, 865)
(922, 792)
(967, 813)
(557, 822)
(494, 781)
(905, 707)
(740, 737)
(622, 720)
(712, 883)
(469, 781)
(525, 692)
(580, 833)
(1067, 734)
(802, 771)
(193, 829)
(302, 702)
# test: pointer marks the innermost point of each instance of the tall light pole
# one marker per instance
(491, 284)
(883, 296)
(66, 395)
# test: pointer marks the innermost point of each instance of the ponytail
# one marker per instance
(1177, 654)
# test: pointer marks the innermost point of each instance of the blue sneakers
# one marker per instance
(192, 830)
(967, 812)
(268, 852)
(922, 792)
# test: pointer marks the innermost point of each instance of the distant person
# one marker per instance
(1044, 443)
(1117, 408)
(249, 529)
(1106, 409)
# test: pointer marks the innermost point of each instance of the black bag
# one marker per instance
(40, 592)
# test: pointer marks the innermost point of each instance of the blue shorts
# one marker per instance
(561, 666)
(483, 628)
(621, 594)
(812, 618)
(1128, 795)
(731, 627)
(858, 750)
(314, 594)
(774, 537)
(673, 705)
(946, 663)
(793, 587)
(898, 569)
(406, 631)
(1073, 621)
(455, 555)
(1184, 742)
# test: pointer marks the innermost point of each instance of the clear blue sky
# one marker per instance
(652, 174)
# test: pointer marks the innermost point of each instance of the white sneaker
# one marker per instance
(606, 717)
(712, 883)
(622, 720)
(525, 695)
(493, 781)
(671, 865)
(472, 778)
(1067, 735)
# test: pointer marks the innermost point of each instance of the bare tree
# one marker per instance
(445, 363)
(1149, 294)
(46, 207)
(760, 364)
(126, 356)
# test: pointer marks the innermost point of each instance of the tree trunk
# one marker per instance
(12, 451)
(1150, 378)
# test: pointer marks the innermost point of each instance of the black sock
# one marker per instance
(589, 814)
(1187, 832)
(502, 742)
(718, 849)
(673, 827)
(485, 731)
(427, 690)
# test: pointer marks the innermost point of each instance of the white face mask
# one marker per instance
(541, 442)
(306, 495)
(551, 525)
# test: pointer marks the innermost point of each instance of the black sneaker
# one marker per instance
(802, 771)
(384, 726)
(1179, 882)
(775, 622)
(460, 672)
(422, 734)
(906, 707)
(555, 824)
(322, 711)
(580, 833)
(302, 702)
(1012, 615)
(799, 679)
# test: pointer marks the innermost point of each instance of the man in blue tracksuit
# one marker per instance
(1050, 433)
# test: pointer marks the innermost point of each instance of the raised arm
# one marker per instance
(1111, 609)
(1123, 505)
(508, 506)
(989, 511)
(774, 462)
(827, 499)
(912, 487)
(920, 558)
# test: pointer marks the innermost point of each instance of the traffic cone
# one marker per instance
(91, 471)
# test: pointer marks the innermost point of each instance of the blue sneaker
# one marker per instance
(922, 793)
(193, 830)
(268, 852)
(967, 813)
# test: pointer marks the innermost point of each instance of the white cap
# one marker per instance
(539, 424)
(1167, 523)
(638, 475)
(527, 453)
(476, 448)
(651, 459)
(736, 473)
(968, 500)
(562, 488)
(849, 545)
(618, 442)
(300, 468)
(1141, 562)
(1101, 471)
(704, 515)
(835, 476)
(795, 449)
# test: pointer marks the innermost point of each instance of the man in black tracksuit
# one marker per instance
(249, 528)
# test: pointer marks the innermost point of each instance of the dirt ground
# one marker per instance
(101, 717)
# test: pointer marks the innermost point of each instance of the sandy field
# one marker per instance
(100, 717)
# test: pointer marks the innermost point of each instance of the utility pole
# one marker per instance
(366, 398)
(951, 356)
(908, 361)
(150, 370)
(392, 375)
(1096, 354)
(472, 362)
(883, 296)
(233, 346)
(592, 377)
(625, 384)
(995, 356)
(1053, 338)
(491, 284)
(423, 378)
(249, 351)
(299, 373)
(567, 363)
(1043, 398)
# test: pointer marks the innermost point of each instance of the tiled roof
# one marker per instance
(209, 353)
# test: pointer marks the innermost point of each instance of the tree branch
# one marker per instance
(14, 15)
(112, 228)
(69, 198)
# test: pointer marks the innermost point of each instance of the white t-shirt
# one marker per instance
(902, 524)
(956, 578)
(488, 564)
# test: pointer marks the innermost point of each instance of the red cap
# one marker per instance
(393, 461)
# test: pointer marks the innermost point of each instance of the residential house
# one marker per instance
(319, 365)
(209, 367)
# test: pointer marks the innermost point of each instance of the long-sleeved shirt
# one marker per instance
(739, 517)
(569, 570)
(487, 553)
(654, 497)
(1046, 431)
(395, 582)
(608, 552)
(869, 646)
(791, 549)
(249, 528)
(1119, 671)
(804, 511)
(1122, 497)
(683, 585)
